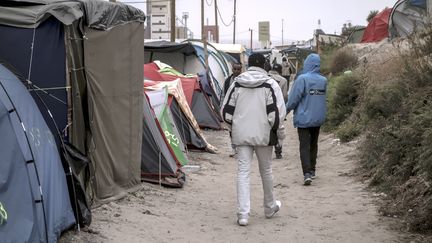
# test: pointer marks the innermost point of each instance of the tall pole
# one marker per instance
(173, 21)
(282, 33)
(203, 37)
(202, 19)
(251, 31)
(234, 21)
(216, 23)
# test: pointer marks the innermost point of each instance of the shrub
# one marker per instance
(342, 60)
(343, 92)
(396, 152)
(348, 131)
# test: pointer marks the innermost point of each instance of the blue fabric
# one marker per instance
(48, 65)
(308, 95)
(34, 143)
(418, 3)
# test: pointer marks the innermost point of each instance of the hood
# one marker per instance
(312, 63)
(253, 77)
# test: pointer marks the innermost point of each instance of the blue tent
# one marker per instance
(34, 197)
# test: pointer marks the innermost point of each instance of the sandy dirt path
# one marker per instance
(336, 208)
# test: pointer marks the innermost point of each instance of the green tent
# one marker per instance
(159, 103)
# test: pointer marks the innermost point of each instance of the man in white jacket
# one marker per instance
(254, 109)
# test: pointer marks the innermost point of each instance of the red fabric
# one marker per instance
(151, 72)
(377, 28)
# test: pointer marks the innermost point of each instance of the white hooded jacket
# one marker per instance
(254, 108)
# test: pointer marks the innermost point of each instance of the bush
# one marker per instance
(342, 60)
(397, 151)
(343, 92)
(383, 102)
(348, 131)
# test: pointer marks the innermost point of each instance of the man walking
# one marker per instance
(254, 110)
(308, 100)
(275, 73)
(236, 70)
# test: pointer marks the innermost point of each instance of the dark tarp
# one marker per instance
(48, 66)
(106, 89)
(30, 165)
(114, 78)
(98, 14)
(187, 132)
(170, 47)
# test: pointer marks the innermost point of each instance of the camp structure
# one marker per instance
(81, 58)
(187, 126)
(377, 29)
(159, 161)
(159, 103)
(407, 16)
(34, 199)
(205, 113)
(219, 68)
(356, 35)
(237, 51)
(183, 57)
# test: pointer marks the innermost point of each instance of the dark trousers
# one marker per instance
(278, 149)
(308, 138)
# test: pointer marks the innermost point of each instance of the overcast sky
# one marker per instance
(300, 17)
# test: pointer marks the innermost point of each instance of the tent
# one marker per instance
(34, 199)
(180, 56)
(183, 57)
(356, 35)
(406, 17)
(188, 127)
(159, 103)
(95, 95)
(159, 163)
(219, 68)
(235, 50)
(377, 28)
(205, 113)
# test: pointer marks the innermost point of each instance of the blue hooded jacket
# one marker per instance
(308, 95)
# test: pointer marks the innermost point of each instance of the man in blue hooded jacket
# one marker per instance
(308, 100)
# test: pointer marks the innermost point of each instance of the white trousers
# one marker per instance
(244, 157)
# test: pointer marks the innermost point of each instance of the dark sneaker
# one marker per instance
(313, 176)
(278, 156)
(233, 153)
(307, 179)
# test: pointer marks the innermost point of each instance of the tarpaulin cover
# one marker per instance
(197, 100)
(184, 117)
(377, 28)
(30, 165)
(170, 47)
(98, 14)
(46, 68)
(406, 17)
(114, 80)
(159, 103)
(156, 156)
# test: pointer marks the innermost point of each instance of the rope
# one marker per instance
(31, 56)
(223, 22)
(31, 85)
(43, 90)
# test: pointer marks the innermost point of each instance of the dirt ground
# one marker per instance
(335, 208)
